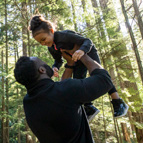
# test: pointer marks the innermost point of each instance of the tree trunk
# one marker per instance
(138, 15)
(103, 36)
(138, 117)
(132, 126)
(7, 96)
(24, 28)
(119, 132)
(28, 137)
(74, 15)
(28, 38)
(85, 10)
(3, 103)
(19, 134)
(125, 132)
(133, 40)
(104, 121)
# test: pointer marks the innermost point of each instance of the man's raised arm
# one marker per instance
(70, 64)
(88, 89)
(90, 64)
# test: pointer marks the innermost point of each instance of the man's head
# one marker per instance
(29, 70)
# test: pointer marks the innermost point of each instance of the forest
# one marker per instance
(116, 29)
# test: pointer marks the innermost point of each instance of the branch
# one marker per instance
(133, 19)
(129, 8)
(140, 3)
(139, 42)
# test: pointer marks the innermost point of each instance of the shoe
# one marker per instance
(91, 112)
(120, 107)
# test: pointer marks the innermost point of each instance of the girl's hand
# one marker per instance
(77, 55)
(56, 74)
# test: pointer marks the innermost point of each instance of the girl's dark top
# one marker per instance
(66, 40)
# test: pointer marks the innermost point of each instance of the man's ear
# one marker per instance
(42, 70)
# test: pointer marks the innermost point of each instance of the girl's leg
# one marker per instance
(120, 108)
(94, 55)
(80, 72)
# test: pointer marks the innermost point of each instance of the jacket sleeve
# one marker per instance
(85, 43)
(86, 90)
(57, 56)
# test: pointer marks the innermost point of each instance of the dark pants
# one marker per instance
(80, 70)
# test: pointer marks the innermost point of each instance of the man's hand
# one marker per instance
(71, 52)
(77, 55)
(68, 58)
(56, 74)
(90, 63)
(68, 71)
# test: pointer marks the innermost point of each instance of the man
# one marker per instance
(54, 109)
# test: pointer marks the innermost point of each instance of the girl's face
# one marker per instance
(44, 38)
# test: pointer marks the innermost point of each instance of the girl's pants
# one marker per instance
(80, 70)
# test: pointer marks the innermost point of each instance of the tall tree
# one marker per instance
(3, 101)
(138, 15)
(138, 117)
(118, 50)
(85, 13)
(25, 35)
(125, 133)
(7, 84)
(74, 15)
(135, 48)
(102, 49)
(24, 27)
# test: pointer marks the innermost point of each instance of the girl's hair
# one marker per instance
(38, 23)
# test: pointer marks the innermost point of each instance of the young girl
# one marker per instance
(57, 41)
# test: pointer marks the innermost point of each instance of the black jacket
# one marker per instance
(66, 40)
(54, 109)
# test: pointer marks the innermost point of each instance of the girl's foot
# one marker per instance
(91, 111)
(120, 107)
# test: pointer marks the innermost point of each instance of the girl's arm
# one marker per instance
(57, 56)
(72, 37)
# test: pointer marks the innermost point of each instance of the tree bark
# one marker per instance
(28, 137)
(138, 117)
(7, 89)
(24, 28)
(104, 121)
(74, 15)
(138, 15)
(85, 10)
(125, 132)
(132, 126)
(19, 134)
(3, 102)
(133, 40)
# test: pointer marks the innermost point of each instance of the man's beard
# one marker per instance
(49, 70)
